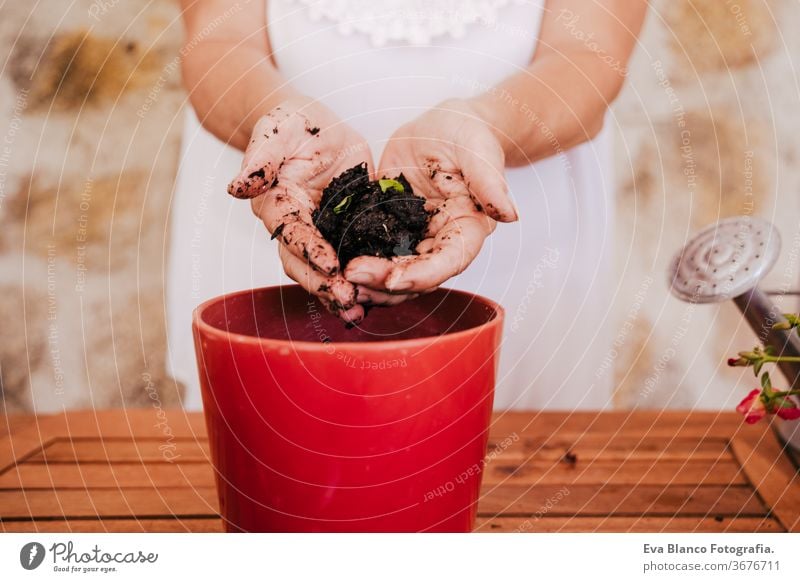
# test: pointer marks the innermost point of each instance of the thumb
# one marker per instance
(482, 163)
(270, 146)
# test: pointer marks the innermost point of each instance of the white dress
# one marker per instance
(377, 64)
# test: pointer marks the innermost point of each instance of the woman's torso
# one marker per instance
(547, 269)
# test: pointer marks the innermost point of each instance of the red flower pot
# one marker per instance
(315, 427)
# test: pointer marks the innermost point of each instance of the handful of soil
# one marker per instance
(381, 218)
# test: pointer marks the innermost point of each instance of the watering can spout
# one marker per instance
(727, 260)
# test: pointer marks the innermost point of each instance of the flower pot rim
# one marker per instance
(199, 323)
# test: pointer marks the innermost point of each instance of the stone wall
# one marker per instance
(85, 184)
(90, 119)
(706, 129)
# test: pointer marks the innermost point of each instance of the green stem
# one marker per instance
(788, 393)
(781, 358)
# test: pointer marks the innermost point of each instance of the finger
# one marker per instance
(449, 184)
(398, 158)
(372, 272)
(351, 316)
(368, 271)
(454, 248)
(450, 210)
(425, 246)
(286, 212)
(262, 160)
(339, 292)
(369, 296)
(482, 164)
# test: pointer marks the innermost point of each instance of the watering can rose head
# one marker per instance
(760, 403)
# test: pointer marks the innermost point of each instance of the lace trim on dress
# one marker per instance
(409, 21)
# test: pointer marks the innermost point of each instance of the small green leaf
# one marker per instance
(385, 184)
(342, 206)
(766, 384)
(792, 321)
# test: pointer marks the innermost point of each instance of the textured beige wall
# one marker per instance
(707, 128)
(85, 187)
(89, 117)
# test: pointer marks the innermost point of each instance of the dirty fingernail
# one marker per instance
(363, 296)
(326, 268)
(399, 285)
(360, 277)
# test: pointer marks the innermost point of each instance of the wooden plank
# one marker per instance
(19, 445)
(610, 446)
(147, 422)
(158, 424)
(96, 450)
(532, 471)
(199, 525)
(140, 502)
(656, 423)
(190, 450)
(770, 472)
(627, 465)
(628, 524)
(622, 500)
(104, 475)
(10, 423)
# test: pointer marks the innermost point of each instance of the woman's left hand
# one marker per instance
(452, 158)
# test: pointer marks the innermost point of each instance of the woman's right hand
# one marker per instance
(294, 152)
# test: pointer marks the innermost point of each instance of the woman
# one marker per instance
(493, 109)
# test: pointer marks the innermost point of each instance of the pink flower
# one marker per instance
(745, 359)
(787, 409)
(752, 407)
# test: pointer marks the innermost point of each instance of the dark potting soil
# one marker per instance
(381, 218)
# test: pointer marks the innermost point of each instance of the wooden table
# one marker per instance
(619, 471)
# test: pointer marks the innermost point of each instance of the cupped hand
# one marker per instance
(294, 152)
(452, 158)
